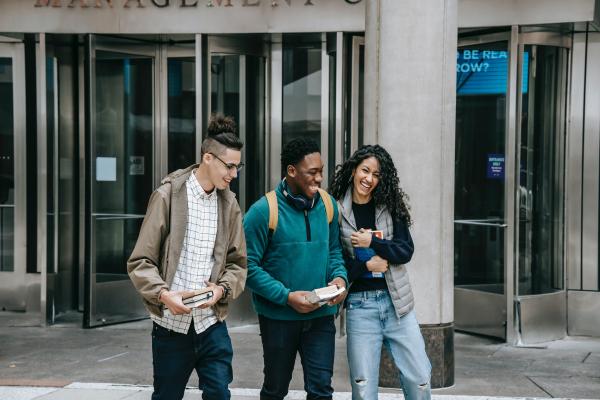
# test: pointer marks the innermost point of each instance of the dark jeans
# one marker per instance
(315, 341)
(176, 355)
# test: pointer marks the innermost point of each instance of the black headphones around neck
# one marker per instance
(299, 201)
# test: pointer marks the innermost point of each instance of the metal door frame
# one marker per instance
(13, 283)
(49, 267)
(528, 307)
(508, 224)
(357, 41)
(124, 47)
(516, 43)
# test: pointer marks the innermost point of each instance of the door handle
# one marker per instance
(480, 222)
(109, 216)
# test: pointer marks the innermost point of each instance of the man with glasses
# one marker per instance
(192, 238)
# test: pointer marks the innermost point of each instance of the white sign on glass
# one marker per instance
(106, 169)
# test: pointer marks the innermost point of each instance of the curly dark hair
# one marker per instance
(388, 192)
(296, 149)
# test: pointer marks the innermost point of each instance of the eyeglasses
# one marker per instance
(230, 166)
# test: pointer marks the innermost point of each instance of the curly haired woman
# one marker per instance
(377, 243)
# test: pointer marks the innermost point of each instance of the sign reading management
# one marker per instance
(175, 3)
(182, 16)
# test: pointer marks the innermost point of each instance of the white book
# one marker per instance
(324, 294)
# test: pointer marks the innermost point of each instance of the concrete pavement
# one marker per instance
(65, 361)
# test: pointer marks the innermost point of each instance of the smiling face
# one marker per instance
(222, 170)
(365, 179)
(305, 177)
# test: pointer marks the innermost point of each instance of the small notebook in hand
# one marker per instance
(364, 254)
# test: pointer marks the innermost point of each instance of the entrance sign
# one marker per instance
(495, 166)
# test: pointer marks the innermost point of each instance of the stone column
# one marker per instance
(410, 100)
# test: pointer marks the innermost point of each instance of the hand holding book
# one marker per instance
(362, 252)
(363, 237)
(323, 295)
(182, 302)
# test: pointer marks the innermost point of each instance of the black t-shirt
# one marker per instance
(364, 215)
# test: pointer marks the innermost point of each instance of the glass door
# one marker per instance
(236, 87)
(481, 184)
(509, 194)
(357, 96)
(122, 173)
(182, 137)
(541, 297)
(12, 177)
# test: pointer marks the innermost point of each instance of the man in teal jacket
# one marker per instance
(302, 253)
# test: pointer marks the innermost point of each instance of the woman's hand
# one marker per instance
(377, 264)
(362, 238)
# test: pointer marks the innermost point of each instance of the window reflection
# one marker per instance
(481, 84)
(182, 112)
(541, 173)
(123, 158)
(7, 170)
(301, 90)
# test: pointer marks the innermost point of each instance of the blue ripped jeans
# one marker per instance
(371, 321)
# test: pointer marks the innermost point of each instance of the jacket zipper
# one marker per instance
(307, 225)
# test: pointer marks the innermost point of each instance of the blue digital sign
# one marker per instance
(482, 72)
(495, 166)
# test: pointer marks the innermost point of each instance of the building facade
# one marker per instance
(490, 110)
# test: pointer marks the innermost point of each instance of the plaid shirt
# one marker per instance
(196, 260)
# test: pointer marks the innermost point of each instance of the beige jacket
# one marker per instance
(154, 259)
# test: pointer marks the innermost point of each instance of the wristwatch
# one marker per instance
(225, 292)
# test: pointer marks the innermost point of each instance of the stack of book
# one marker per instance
(195, 299)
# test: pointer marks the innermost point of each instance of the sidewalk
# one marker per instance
(114, 362)
(101, 391)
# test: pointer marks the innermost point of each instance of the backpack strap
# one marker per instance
(273, 211)
(328, 204)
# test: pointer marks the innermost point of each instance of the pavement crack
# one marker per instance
(539, 386)
(496, 351)
(111, 357)
(586, 357)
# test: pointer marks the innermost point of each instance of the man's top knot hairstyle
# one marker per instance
(220, 123)
(222, 131)
(295, 150)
